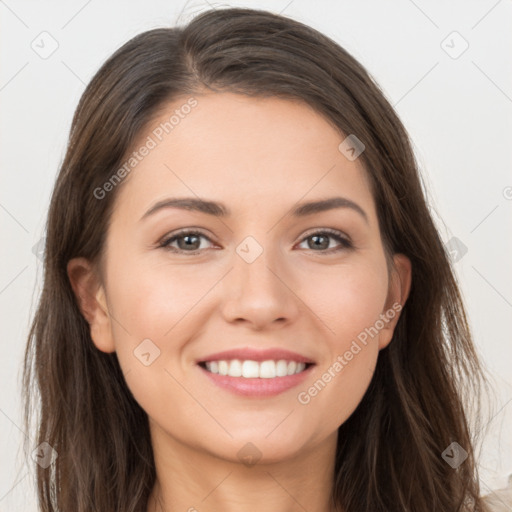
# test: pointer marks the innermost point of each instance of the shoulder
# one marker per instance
(499, 500)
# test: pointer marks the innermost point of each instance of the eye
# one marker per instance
(187, 241)
(190, 241)
(320, 240)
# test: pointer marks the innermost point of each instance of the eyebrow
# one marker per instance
(220, 210)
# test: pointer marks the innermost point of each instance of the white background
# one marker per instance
(458, 112)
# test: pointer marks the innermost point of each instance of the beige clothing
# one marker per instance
(500, 500)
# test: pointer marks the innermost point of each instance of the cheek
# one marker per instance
(348, 299)
(151, 326)
(338, 387)
(165, 306)
(349, 303)
(149, 300)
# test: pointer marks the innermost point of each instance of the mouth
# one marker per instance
(250, 369)
(256, 372)
(255, 379)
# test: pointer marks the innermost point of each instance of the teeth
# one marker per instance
(254, 369)
(281, 368)
(267, 369)
(223, 367)
(250, 369)
(235, 368)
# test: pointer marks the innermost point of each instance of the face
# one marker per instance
(179, 285)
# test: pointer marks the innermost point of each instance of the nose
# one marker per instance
(259, 293)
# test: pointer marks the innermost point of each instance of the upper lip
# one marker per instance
(254, 354)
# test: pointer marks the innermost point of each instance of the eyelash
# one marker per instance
(345, 243)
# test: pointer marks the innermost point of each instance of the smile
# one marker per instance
(248, 369)
(255, 379)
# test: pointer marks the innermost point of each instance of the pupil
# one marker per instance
(188, 244)
(316, 237)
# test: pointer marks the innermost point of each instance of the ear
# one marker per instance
(92, 302)
(399, 287)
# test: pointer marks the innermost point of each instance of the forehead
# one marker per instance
(243, 151)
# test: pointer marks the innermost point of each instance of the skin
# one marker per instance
(259, 157)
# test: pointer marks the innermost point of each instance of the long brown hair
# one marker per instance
(389, 452)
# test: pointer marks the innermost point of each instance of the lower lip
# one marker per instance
(256, 386)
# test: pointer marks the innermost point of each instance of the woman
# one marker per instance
(246, 302)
